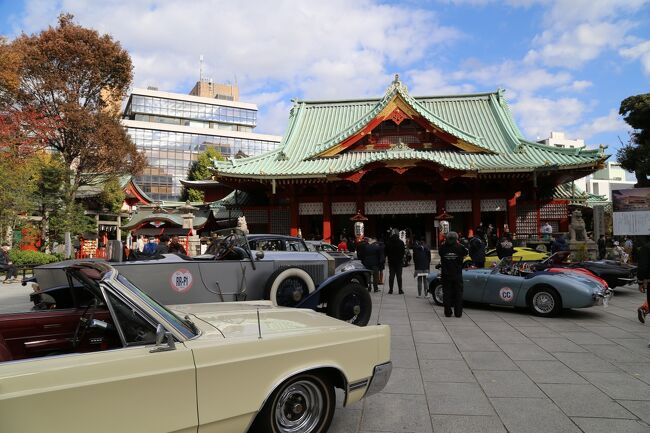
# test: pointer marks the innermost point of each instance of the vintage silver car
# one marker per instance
(511, 284)
(122, 362)
(302, 279)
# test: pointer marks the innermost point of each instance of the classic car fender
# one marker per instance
(325, 288)
(574, 290)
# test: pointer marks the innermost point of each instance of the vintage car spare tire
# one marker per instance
(351, 303)
(303, 403)
(286, 287)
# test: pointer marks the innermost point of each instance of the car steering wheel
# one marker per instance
(226, 246)
(84, 324)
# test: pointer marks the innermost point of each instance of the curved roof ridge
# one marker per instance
(397, 88)
(379, 98)
(561, 150)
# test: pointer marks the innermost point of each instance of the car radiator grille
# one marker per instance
(314, 271)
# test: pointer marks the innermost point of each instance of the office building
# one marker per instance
(173, 129)
(612, 176)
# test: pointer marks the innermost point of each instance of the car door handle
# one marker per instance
(51, 325)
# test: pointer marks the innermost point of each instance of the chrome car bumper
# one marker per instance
(602, 297)
(379, 378)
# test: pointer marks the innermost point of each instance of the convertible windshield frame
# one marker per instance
(183, 330)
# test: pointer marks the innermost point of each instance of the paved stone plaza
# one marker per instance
(502, 370)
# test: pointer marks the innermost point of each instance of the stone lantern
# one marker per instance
(192, 239)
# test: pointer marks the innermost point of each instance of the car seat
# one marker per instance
(5, 353)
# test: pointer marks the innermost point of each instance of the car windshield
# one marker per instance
(184, 326)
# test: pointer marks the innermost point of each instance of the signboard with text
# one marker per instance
(631, 211)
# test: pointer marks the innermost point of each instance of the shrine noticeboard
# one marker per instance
(631, 211)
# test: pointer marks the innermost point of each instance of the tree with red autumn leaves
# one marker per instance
(61, 90)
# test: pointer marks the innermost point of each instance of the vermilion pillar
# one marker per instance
(327, 216)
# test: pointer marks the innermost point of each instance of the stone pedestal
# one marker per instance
(583, 250)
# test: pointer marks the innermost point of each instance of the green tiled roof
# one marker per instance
(569, 191)
(482, 120)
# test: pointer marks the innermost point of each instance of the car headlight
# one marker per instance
(346, 267)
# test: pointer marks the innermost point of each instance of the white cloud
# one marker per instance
(577, 86)
(611, 122)
(539, 116)
(514, 76)
(305, 49)
(434, 82)
(563, 14)
(640, 51)
(577, 46)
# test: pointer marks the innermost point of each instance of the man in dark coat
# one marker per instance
(559, 244)
(602, 247)
(395, 250)
(451, 273)
(505, 248)
(373, 255)
(477, 250)
(422, 264)
(163, 248)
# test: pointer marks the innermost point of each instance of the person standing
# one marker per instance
(163, 248)
(643, 276)
(451, 273)
(477, 250)
(372, 257)
(140, 243)
(422, 264)
(559, 245)
(150, 248)
(175, 247)
(628, 247)
(395, 250)
(505, 248)
(343, 245)
(547, 231)
(7, 265)
(602, 247)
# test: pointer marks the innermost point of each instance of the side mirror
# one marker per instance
(259, 255)
(162, 335)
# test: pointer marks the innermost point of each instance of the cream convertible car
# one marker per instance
(125, 363)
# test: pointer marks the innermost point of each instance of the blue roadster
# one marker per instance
(512, 284)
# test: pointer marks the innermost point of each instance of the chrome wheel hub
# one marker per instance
(543, 302)
(299, 408)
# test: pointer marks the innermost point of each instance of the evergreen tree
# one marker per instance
(635, 156)
(201, 169)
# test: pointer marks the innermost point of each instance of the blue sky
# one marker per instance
(565, 64)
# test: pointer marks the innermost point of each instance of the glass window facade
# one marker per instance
(170, 154)
(191, 111)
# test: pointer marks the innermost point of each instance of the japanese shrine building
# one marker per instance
(400, 160)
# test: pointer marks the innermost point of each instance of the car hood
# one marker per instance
(240, 319)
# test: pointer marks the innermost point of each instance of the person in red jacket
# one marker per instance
(343, 245)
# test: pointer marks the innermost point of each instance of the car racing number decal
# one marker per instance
(181, 280)
(506, 294)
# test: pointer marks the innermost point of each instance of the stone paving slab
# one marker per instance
(499, 370)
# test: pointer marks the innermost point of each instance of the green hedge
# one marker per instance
(22, 258)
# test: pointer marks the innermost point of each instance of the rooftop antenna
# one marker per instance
(201, 67)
